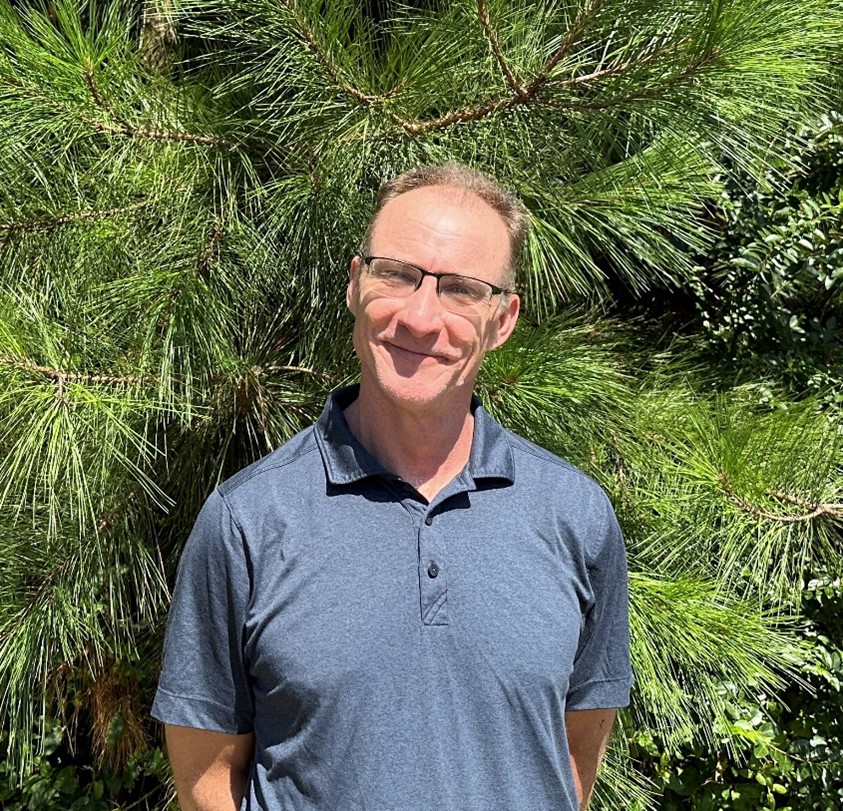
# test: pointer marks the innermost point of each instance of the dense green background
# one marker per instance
(183, 188)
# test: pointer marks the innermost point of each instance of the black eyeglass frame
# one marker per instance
(496, 291)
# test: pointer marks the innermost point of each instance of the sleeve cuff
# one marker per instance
(198, 713)
(600, 695)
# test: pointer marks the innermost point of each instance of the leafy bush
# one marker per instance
(791, 757)
(771, 291)
(58, 781)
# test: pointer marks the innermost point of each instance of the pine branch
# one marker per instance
(652, 93)
(813, 510)
(259, 370)
(68, 219)
(531, 95)
(494, 44)
(154, 791)
(123, 127)
(214, 235)
(99, 99)
(321, 55)
(574, 31)
(395, 89)
(617, 70)
(816, 509)
(117, 511)
(835, 510)
(162, 135)
(60, 376)
(158, 36)
(465, 114)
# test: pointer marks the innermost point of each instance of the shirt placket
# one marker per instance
(433, 572)
(431, 547)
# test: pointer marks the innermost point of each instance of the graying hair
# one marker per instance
(454, 175)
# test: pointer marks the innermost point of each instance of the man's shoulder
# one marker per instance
(543, 465)
(553, 487)
(283, 465)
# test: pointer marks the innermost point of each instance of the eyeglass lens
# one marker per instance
(390, 277)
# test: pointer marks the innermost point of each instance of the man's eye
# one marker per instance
(464, 289)
(393, 275)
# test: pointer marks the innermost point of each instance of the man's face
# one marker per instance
(413, 351)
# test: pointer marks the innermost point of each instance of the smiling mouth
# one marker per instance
(413, 353)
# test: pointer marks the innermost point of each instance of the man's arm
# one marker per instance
(588, 735)
(211, 768)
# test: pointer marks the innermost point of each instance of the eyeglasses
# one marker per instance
(459, 294)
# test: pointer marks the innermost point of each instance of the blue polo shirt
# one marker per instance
(391, 654)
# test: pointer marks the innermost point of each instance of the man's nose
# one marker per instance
(422, 310)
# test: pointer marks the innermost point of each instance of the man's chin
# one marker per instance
(417, 394)
(416, 397)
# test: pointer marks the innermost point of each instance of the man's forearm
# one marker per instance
(212, 793)
(588, 736)
(210, 768)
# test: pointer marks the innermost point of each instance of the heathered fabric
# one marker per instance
(308, 610)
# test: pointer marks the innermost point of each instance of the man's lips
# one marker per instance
(413, 353)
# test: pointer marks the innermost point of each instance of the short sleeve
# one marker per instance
(204, 679)
(602, 676)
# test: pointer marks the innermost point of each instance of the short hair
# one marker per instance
(454, 175)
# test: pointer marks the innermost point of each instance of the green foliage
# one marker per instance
(58, 782)
(781, 752)
(725, 486)
(771, 292)
(560, 384)
(175, 237)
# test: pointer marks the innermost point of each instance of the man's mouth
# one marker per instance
(414, 353)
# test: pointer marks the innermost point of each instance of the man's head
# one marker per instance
(414, 350)
(461, 178)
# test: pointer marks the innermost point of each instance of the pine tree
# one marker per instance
(184, 186)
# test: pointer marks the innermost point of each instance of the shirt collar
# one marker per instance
(347, 461)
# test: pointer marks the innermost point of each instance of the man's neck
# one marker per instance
(427, 449)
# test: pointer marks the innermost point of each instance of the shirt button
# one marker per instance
(432, 570)
(428, 520)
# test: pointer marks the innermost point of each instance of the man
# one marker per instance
(405, 607)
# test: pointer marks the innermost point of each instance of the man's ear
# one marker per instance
(505, 320)
(351, 291)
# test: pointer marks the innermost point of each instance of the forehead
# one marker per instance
(438, 226)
